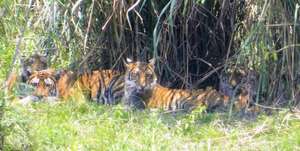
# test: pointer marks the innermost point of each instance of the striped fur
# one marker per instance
(90, 83)
(44, 82)
(113, 93)
(142, 91)
(63, 83)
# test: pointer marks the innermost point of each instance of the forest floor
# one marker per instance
(88, 126)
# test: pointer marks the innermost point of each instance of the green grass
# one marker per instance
(270, 50)
(71, 126)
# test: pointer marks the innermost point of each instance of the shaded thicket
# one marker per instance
(271, 47)
(193, 41)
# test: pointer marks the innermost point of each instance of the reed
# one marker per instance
(193, 41)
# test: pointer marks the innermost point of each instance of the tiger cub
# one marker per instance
(142, 91)
(63, 83)
(44, 87)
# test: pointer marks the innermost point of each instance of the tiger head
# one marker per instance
(44, 83)
(140, 75)
(140, 79)
(35, 62)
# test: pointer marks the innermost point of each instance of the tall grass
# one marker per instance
(271, 47)
(2, 129)
(192, 41)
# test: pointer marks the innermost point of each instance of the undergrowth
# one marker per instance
(87, 126)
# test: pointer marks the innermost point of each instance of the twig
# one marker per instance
(109, 18)
(287, 47)
(76, 5)
(209, 74)
(89, 26)
(130, 9)
(269, 107)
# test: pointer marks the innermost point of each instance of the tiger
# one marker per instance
(241, 85)
(64, 83)
(141, 91)
(44, 87)
(33, 63)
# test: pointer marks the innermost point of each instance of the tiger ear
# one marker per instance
(127, 62)
(152, 62)
(58, 74)
(51, 71)
(43, 58)
(34, 72)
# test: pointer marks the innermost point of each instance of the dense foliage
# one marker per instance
(194, 42)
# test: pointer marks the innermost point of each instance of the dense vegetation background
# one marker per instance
(195, 42)
(192, 41)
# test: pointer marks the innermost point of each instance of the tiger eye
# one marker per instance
(149, 76)
(133, 76)
(48, 84)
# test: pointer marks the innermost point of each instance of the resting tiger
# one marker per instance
(64, 84)
(142, 91)
(44, 84)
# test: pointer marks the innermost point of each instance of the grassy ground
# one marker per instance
(87, 126)
(268, 43)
